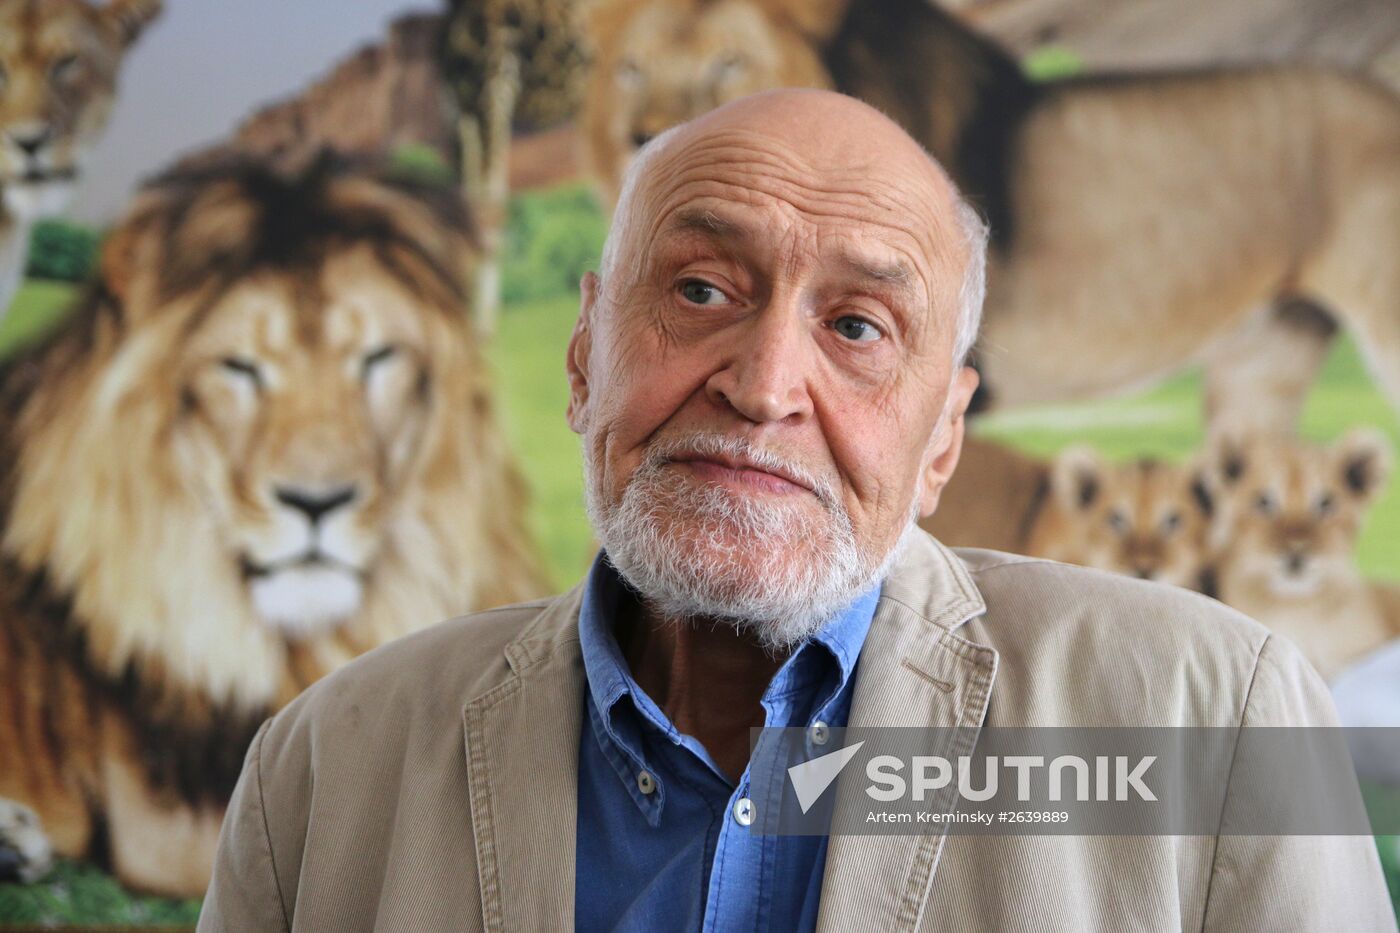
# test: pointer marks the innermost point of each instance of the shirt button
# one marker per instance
(743, 811)
(645, 782)
(819, 733)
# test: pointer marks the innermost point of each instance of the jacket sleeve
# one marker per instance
(244, 893)
(1294, 882)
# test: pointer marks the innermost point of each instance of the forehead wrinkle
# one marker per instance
(843, 194)
(770, 160)
(681, 214)
(711, 225)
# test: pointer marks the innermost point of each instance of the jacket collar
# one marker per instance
(915, 671)
(522, 737)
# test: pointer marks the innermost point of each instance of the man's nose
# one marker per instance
(766, 377)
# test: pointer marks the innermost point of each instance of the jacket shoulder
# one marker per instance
(1135, 607)
(1078, 646)
(429, 674)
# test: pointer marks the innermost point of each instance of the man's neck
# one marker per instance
(707, 678)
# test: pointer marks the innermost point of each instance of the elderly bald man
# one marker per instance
(766, 376)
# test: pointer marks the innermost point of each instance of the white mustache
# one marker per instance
(727, 445)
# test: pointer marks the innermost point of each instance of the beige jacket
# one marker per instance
(430, 785)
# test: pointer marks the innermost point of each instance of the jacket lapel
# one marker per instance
(915, 670)
(522, 738)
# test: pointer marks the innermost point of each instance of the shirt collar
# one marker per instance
(609, 678)
(603, 664)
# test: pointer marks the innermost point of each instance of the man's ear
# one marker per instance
(941, 458)
(576, 359)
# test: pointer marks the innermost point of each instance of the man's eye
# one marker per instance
(701, 293)
(854, 328)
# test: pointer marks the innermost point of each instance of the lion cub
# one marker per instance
(1288, 520)
(1145, 518)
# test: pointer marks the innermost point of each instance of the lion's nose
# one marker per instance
(30, 142)
(315, 503)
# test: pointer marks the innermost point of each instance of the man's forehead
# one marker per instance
(726, 182)
(851, 247)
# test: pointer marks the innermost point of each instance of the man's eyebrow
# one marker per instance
(894, 273)
(705, 222)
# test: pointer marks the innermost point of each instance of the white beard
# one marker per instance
(771, 568)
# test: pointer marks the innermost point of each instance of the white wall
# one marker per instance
(203, 66)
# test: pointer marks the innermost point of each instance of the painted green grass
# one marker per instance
(534, 393)
(528, 361)
(76, 895)
(1051, 63)
(37, 307)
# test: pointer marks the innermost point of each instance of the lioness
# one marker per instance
(1140, 222)
(263, 444)
(1289, 515)
(1145, 518)
(58, 73)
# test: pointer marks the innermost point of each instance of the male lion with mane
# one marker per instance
(1140, 222)
(264, 444)
(58, 75)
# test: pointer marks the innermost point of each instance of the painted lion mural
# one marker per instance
(263, 444)
(59, 61)
(1235, 218)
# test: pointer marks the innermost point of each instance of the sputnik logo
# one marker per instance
(811, 778)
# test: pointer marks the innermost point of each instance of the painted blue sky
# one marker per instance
(207, 63)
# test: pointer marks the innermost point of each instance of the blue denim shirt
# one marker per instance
(659, 846)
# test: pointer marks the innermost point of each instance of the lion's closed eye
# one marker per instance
(377, 357)
(243, 368)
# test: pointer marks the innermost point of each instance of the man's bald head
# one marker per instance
(823, 135)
